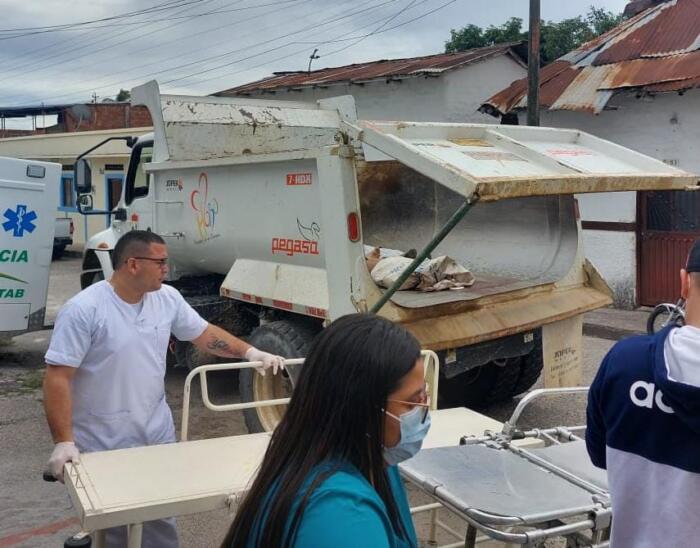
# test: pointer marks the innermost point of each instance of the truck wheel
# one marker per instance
(229, 316)
(530, 367)
(189, 356)
(480, 386)
(287, 338)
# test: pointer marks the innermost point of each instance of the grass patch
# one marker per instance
(32, 381)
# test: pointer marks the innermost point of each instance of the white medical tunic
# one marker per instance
(119, 388)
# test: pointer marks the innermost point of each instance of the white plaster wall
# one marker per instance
(467, 88)
(417, 99)
(666, 127)
(453, 96)
(614, 255)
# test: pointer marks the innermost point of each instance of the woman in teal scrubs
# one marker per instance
(329, 477)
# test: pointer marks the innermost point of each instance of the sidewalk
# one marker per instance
(615, 324)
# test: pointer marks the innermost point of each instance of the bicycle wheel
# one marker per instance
(660, 317)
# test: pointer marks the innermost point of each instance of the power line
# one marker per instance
(385, 23)
(170, 18)
(151, 33)
(206, 59)
(204, 71)
(27, 31)
(375, 31)
(404, 23)
(84, 45)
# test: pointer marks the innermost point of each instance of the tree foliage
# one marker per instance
(557, 38)
(123, 95)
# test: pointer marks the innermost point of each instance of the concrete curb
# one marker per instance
(608, 332)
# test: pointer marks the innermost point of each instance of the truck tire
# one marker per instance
(481, 386)
(530, 367)
(230, 317)
(288, 338)
(493, 382)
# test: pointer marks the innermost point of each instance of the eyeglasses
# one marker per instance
(159, 262)
(425, 404)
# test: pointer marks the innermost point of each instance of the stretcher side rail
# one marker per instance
(431, 363)
(510, 426)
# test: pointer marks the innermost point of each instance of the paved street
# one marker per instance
(38, 514)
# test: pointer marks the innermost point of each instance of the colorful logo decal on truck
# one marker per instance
(205, 210)
(19, 221)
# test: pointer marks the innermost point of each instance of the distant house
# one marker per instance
(636, 85)
(447, 87)
(79, 127)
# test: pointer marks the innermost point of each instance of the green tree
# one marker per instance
(123, 95)
(472, 36)
(557, 39)
(601, 20)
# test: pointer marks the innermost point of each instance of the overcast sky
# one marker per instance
(202, 46)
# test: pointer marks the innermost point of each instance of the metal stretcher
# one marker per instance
(131, 486)
(517, 494)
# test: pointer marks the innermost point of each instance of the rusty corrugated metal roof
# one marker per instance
(386, 69)
(657, 50)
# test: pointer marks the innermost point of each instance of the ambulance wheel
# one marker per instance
(288, 338)
(58, 251)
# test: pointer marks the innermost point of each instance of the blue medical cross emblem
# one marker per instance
(19, 220)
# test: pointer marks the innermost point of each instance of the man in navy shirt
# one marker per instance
(644, 428)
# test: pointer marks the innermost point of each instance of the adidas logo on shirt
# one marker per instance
(644, 394)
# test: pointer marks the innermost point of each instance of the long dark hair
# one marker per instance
(335, 413)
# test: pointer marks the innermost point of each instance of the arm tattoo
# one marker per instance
(217, 345)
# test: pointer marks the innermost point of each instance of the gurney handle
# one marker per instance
(510, 425)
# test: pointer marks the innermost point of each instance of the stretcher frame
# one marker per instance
(571, 523)
(84, 488)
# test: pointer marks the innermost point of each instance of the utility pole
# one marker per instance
(533, 65)
(312, 58)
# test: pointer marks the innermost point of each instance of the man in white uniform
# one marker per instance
(104, 386)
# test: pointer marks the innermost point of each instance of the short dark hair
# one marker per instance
(133, 244)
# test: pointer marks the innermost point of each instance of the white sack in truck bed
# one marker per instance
(431, 275)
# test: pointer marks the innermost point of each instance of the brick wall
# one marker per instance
(103, 116)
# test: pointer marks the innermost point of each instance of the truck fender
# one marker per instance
(105, 258)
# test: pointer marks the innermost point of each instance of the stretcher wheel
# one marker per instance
(78, 541)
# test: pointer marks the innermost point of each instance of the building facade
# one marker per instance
(637, 86)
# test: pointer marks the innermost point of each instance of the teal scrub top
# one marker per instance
(346, 512)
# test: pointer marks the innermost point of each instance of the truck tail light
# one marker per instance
(72, 228)
(353, 227)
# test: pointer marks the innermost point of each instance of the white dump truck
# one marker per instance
(266, 207)
(28, 202)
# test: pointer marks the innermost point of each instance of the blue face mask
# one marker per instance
(413, 432)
